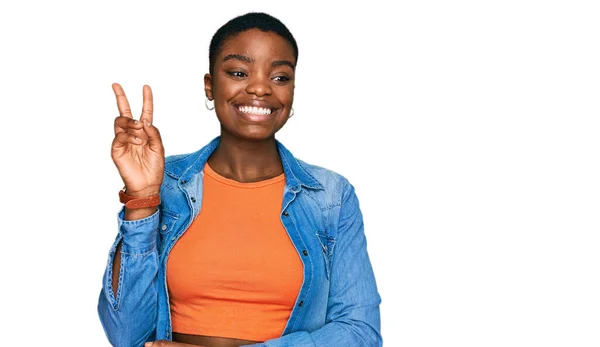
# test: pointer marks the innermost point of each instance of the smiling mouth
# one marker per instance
(255, 110)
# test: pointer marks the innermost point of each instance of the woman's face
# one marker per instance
(252, 84)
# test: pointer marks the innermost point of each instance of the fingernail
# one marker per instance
(147, 344)
(136, 122)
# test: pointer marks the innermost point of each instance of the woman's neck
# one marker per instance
(246, 161)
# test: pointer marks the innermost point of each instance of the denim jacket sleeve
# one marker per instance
(353, 306)
(129, 318)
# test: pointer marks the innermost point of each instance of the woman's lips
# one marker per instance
(255, 114)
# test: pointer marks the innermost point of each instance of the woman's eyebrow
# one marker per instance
(283, 63)
(251, 60)
(238, 57)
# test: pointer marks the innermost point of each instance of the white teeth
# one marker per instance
(254, 110)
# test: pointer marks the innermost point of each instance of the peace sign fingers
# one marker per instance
(137, 148)
(122, 103)
(148, 106)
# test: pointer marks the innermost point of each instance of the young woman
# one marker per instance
(239, 243)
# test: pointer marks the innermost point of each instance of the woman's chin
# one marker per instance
(252, 133)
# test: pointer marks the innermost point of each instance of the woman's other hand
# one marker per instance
(137, 148)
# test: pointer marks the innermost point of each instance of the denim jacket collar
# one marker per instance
(184, 167)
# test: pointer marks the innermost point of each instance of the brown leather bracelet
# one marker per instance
(133, 202)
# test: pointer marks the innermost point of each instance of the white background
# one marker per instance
(469, 129)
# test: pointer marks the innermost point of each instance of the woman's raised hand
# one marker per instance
(137, 148)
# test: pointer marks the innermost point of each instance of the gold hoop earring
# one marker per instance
(210, 104)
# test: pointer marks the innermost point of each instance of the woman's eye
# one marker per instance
(281, 78)
(236, 73)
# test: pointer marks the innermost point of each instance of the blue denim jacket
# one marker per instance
(338, 302)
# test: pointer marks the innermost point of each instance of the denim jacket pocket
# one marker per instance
(168, 220)
(327, 245)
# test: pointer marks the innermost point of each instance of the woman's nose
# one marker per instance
(259, 85)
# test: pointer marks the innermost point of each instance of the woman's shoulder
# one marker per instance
(177, 157)
(178, 163)
(320, 172)
(332, 181)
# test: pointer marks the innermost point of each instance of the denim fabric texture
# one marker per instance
(338, 302)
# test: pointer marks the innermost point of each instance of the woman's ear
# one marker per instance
(208, 86)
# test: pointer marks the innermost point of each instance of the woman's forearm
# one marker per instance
(130, 214)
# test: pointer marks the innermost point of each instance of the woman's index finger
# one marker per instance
(148, 106)
(122, 103)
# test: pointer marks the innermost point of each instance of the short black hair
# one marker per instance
(251, 20)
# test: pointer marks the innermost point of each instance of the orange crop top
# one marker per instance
(235, 272)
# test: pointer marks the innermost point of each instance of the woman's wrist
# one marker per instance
(143, 193)
(141, 212)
